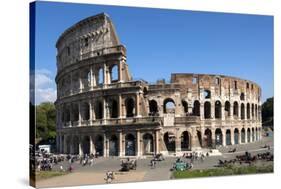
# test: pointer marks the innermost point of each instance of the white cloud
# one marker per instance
(45, 87)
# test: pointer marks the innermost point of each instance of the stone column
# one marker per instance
(80, 83)
(178, 143)
(64, 150)
(232, 136)
(120, 112)
(80, 117)
(246, 136)
(223, 137)
(120, 144)
(105, 82)
(212, 108)
(213, 138)
(137, 106)
(156, 149)
(194, 139)
(251, 138)
(104, 145)
(91, 78)
(239, 136)
(71, 83)
(239, 111)
(203, 137)
(202, 110)
(92, 145)
(222, 112)
(120, 75)
(231, 110)
(80, 146)
(60, 150)
(138, 151)
(90, 111)
(104, 108)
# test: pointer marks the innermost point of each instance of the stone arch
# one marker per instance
(169, 105)
(66, 114)
(218, 137)
(130, 107)
(130, 145)
(86, 145)
(227, 109)
(208, 137)
(207, 110)
(199, 136)
(68, 144)
(235, 109)
(256, 111)
(242, 112)
(185, 106)
(75, 82)
(148, 144)
(153, 107)
(85, 111)
(243, 136)
(185, 141)
(75, 142)
(248, 111)
(75, 112)
(236, 136)
(113, 108)
(113, 73)
(86, 78)
(169, 140)
(253, 134)
(248, 135)
(196, 108)
(99, 145)
(218, 109)
(253, 111)
(228, 137)
(113, 146)
(99, 110)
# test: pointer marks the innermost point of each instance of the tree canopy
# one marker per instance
(267, 112)
(46, 122)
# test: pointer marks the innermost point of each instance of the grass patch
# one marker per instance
(48, 174)
(231, 170)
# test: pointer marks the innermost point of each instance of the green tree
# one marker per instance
(45, 121)
(267, 112)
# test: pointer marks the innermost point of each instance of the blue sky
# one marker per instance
(160, 42)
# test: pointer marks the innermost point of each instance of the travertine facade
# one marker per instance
(100, 108)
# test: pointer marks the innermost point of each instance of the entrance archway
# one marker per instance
(113, 146)
(218, 136)
(130, 145)
(228, 137)
(236, 136)
(86, 145)
(169, 139)
(148, 145)
(208, 138)
(248, 135)
(185, 141)
(75, 145)
(99, 145)
(243, 139)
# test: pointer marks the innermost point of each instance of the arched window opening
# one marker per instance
(86, 111)
(248, 111)
(253, 111)
(130, 107)
(227, 109)
(113, 108)
(145, 91)
(185, 106)
(207, 94)
(169, 105)
(207, 110)
(248, 135)
(114, 74)
(99, 110)
(196, 108)
(228, 137)
(217, 82)
(153, 108)
(243, 136)
(242, 96)
(242, 111)
(100, 77)
(217, 109)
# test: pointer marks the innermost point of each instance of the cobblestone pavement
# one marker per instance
(84, 175)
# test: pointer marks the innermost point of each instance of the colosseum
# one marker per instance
(102, 109)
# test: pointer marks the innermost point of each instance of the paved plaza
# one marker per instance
(85, 175)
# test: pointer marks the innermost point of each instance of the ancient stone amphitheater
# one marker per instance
(102, 109)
